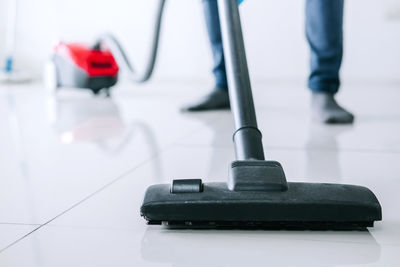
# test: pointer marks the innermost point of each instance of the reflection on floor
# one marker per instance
(74, 169)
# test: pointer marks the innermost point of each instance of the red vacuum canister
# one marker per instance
(79, 66)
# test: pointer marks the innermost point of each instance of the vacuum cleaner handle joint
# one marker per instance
(256, 175)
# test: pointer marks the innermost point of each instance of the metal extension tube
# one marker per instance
(247, 137)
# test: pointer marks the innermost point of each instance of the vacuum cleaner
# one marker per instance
(96, 67)
(256, 194)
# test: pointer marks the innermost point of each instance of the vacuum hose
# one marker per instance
(120, 56)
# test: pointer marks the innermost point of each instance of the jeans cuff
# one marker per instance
(223, 87)
(321, 87)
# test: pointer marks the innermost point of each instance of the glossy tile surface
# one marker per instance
(76, 167)
(56, 152)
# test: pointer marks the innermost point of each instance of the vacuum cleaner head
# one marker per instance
(79, 66)
(258, 196)
(191, 204)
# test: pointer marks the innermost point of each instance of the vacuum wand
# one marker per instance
(250, 171)
(247, 137)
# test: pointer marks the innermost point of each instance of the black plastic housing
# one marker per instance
(256, 175)
(302, 206)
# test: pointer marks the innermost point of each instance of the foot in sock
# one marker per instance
(325, 109)
(217, 99)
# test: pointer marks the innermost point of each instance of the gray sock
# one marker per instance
(325, 109)
(217, 99)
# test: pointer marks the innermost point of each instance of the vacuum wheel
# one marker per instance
(50, 77)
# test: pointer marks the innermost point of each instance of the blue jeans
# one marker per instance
(324, 31)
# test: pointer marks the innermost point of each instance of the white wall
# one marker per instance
(273, 29)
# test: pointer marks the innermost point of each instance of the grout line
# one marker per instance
(121, 176)
(81, 201)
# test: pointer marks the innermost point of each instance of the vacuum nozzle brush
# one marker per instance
(302, 206)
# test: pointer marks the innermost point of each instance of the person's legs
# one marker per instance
(324, 30)
(214, 34)
(218, 98)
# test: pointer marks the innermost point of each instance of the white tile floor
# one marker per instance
(73, 172)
